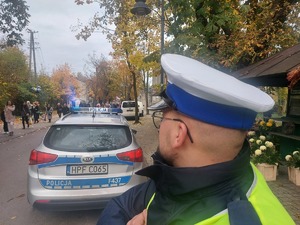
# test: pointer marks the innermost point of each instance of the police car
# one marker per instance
(86, 158)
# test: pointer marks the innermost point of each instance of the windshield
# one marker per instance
(75, 138)
(128, 104)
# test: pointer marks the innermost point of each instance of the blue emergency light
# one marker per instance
(95, 110)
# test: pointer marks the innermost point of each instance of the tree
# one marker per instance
(128, 37)
(232, 34)
(48, 92)
(121, 80)
(98, 82)
(66, 86)
(14, 74)
(226, 34)
(13, 19)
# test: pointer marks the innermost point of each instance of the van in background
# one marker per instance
(128, 108)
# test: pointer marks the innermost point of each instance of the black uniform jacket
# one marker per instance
(182, 195)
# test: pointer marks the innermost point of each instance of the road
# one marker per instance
(14, 208)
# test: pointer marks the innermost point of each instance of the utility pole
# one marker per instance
(32, 54)
(162, 42)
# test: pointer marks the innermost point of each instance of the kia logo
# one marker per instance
(87, 159)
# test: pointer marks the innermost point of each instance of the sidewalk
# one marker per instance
(287, 193)
(19, 131)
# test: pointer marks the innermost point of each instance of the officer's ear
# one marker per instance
(181, 135)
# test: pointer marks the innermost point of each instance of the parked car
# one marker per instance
(86, 158)
(128, 108)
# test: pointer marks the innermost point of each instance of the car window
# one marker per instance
(77, 138)
(128, 104)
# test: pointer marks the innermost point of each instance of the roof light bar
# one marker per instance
(96, 110)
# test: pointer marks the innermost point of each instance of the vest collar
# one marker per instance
(176, 181)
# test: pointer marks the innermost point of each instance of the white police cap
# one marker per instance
(210, 95)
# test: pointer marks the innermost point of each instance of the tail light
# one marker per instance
(132, 156)
(37, 157)
(42, 201)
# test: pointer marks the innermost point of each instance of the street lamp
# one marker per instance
(141, 9)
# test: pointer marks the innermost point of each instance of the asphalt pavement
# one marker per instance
(286, 191)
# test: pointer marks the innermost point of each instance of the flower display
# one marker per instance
(262, 137)
(263, 150)
(269, 144)
(265, 126)
(257, 152)
(259, 142)
(293, 160)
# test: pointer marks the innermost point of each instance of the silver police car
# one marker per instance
(86, 158)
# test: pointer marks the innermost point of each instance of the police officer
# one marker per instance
(202, 172)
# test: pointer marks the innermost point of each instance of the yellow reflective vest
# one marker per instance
(267, 206)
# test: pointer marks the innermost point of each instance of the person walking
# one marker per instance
(36, 112)
(9, 117)
(49, 111)
(59, 109)
(25, 114)
(5, 128)
(65, 109)
(202, 172)
(30, 107)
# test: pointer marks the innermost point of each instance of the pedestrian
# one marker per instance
(10, 117)
(25, 114)
(49, 111)
(5, 128)
(59, 109)
(30, 107)
(202, 172)
(65, 109)
(36, 111)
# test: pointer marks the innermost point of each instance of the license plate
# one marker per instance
(73, 170)
(129, 110)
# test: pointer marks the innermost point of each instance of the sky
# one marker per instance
(55, 43)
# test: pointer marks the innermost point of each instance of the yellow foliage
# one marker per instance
(64, 81)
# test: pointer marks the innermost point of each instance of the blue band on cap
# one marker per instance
(210, 112)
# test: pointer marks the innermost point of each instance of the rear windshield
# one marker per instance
(77, 138)
(128, 104)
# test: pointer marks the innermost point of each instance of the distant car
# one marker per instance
(128, 109)
(86, 158)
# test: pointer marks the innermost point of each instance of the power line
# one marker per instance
(41, 56)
